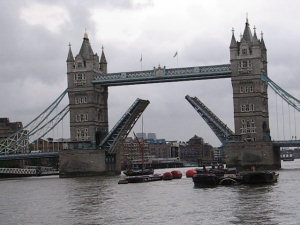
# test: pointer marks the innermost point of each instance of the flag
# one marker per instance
(141, 59)
(176, 53)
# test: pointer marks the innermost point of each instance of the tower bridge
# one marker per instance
(93, 150)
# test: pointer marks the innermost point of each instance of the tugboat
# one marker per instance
(138, 172)
(214, 177)
(141, 179)
(204, 178)
(259, 177)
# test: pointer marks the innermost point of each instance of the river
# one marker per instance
(101, 200)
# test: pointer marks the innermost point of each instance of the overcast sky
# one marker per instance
(34, 42)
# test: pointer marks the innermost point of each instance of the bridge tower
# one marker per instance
(88, 115)
(248, 59)
(87, 101)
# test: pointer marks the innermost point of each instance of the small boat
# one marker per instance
(259, 177)
(139, 172)
(176, 174)
(141, 179)
(205, 180)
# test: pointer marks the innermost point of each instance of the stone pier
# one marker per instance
(262, 155)
(82, 162)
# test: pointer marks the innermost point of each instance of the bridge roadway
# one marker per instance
(29, 156)
(161, 74)
(280, 143)
(289, 143)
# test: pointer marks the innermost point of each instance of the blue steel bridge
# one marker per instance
(17, 145)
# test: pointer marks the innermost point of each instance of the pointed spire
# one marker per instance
(233, 42)
(85, 36)
(70, 54)
(262, 43)
(103, 59)
(103, 63)
(255, 39)
(247, 36)
(86, 50)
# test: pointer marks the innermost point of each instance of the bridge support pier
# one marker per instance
(244, 155)
(83, 162)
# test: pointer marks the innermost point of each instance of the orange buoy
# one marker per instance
(167, 176)
(176, 174)
(190, 173)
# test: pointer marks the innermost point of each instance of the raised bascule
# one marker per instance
(94, 150)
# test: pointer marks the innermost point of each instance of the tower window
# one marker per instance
(81, 100)
(245, 64)
(244, 51)
(82, 117)
(82, 134)
(247, 108)
(251, 88)
(79, 79)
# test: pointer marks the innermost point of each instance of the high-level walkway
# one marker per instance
(161, 74)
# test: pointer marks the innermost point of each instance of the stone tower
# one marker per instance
(87, 101)
(250, 97)
(248, 59)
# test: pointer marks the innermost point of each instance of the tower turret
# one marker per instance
(233, 46)
(70, 60)
(103, 62)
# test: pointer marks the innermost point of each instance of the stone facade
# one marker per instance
(261, 154)
(74, 163)
(195, 150)
(87, 101)
(7, 128)
(248, 59)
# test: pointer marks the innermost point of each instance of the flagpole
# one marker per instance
(141, 60)
(176, 55)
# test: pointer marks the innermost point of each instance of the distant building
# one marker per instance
(141, 135)
(219, 154)
(151, 136)
(8, 128)
(132, 152)
(48, 145)
(160, 148)
(195, 150)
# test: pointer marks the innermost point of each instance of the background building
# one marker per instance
(195, 150)
(8, 128)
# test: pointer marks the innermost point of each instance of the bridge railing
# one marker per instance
(164, 75)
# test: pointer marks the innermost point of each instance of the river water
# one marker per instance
(101, 200)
